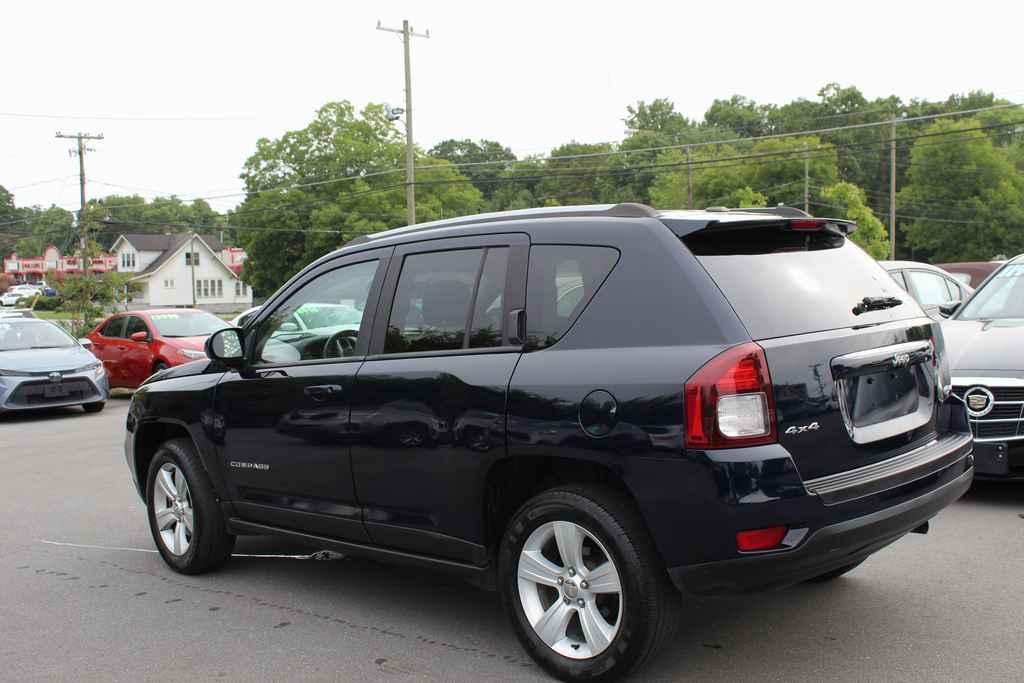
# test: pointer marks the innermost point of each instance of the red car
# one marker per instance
(136, 344)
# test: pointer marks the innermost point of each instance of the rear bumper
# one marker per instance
(827, 548)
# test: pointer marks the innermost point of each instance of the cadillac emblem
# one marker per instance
(979, 400)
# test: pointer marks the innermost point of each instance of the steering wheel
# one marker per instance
(341, 344)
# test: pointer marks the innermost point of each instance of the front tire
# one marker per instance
(185, 518)
(94, 407)
(587, 593)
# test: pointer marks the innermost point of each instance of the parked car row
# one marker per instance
(589, 409)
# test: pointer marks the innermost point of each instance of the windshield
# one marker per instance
(198, 324)
(33, 335)
(1002, 296)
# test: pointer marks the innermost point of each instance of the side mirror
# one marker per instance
(139, 336)
(288, 327)
(946, 310)
(86, 342)
(226, 346)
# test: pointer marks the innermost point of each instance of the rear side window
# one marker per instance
(431, 306)
(561, 281)
(782, 282)
(114, 327)
(931, 289)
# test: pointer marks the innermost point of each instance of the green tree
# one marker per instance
(849, 201)
(967, 195)
(490, 159)
(312, 190)
(739, 114)
(113, 215)
(45, 226)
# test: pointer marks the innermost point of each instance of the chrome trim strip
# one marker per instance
(984, 421)
(994, 439)
(968, 382)
(882, 354)
(880, 470)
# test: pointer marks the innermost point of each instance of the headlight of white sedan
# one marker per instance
(193, 355)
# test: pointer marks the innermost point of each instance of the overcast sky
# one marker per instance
(531, 75)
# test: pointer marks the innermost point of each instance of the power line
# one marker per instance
(116, 117)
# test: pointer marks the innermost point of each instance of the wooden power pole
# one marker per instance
(83, 233)
(410, 152)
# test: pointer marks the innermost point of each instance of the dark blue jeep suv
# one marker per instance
(592, 410)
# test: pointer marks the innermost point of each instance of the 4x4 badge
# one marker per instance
(814, 426)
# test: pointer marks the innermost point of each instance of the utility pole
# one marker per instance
(192, 265)
(807, 181)
(83, 236)
(892, 190)
(410, 156)
(689, 180)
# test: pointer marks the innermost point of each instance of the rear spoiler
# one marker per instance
(840, 226)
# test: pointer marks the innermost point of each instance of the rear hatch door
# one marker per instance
(853, 359)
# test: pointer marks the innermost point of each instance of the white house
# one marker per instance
(183, 270)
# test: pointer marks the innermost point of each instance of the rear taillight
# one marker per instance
(729, 401)
(760, 539)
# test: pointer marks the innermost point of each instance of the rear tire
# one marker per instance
(185, 518)
(94, 407)
(835, 573)
(575, 629)
(158, 366)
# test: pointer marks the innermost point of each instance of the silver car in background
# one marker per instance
(42, 366)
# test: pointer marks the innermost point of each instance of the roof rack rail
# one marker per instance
(780, 210)
(621, 210)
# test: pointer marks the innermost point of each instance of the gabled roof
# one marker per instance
(175, 246)
(156, 242)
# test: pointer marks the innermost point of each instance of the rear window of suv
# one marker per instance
(782, 282)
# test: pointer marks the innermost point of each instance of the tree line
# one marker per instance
(960, 178)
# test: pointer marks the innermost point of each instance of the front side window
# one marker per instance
(319, 321)
(931, 288)
(135, 324)
(431, 307)
(561, 281)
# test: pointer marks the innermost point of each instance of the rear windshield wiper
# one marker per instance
(876, 303)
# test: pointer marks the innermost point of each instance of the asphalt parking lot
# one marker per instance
(85, 596)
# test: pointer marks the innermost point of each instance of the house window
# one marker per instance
(220, 288)
(238, 288)
(199, 288)
(206, 288)
(192, 258)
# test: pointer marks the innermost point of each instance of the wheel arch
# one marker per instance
(148, 438)
(511, 481)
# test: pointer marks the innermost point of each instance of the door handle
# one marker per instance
(517, 327)
(322, 391)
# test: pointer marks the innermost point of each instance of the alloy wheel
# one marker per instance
(570, 590)
(172, 509)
